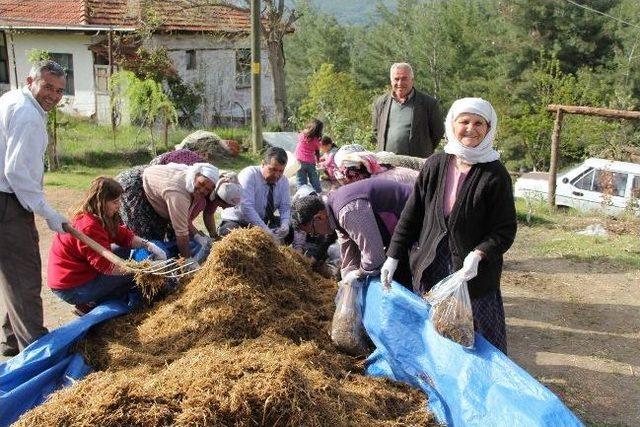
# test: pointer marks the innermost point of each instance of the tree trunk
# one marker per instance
(165, 134)
(52, 148)
(276, 62)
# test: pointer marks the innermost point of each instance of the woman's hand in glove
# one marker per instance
(352, 277)
(469, 268)
(157, 252)
(386, 272)
(202, 239)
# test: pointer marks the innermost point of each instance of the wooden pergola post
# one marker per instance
(557, 127)
(553, 166)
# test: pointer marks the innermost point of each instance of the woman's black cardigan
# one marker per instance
(483, 217)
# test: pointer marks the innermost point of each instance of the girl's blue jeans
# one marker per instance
(308, 173)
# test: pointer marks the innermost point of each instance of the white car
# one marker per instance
(596, 184)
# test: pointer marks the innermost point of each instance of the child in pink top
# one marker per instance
(307, 154)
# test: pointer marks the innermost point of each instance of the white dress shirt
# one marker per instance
(23, 141)
(254, 199)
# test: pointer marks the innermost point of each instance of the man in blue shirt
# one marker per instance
(265, 190)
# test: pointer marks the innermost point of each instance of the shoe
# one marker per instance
(82, 309)
(7, 350)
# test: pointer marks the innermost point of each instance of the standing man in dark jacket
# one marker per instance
(406, 121)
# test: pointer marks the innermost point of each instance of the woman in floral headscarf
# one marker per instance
(461, 217)
(353, 163)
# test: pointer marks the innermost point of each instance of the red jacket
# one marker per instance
(73, 263)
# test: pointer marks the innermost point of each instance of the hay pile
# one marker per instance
(149, 284)
(244, 343)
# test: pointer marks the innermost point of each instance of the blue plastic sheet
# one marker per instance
(465, 387)
(46, 365)
(169, 247)
(479, 387)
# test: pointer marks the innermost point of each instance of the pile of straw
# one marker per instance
(244, 343)
(149, 284)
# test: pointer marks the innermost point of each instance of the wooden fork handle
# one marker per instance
(101, 250)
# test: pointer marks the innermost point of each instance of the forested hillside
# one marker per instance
(519, 54)
(352, 12)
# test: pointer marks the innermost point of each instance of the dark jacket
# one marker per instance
(426, 130)
(483, 217)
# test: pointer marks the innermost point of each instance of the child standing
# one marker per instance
(327, 164)
(307, 154)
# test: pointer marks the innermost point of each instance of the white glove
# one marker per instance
(157, 252)
(352, 277)
(190, 264)
(469, 268)
(386, 272)
(281, 232)
(54, 220)
(202, 239)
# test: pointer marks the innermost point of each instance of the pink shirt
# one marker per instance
(306, 148)
(452, 185)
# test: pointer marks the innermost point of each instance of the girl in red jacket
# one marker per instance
(75, 272)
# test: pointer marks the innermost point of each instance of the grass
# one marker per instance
(87, 150)
(561, 240)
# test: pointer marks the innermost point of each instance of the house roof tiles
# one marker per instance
(43, 12)
(175, 15)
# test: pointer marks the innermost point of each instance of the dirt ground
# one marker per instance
(574, 325)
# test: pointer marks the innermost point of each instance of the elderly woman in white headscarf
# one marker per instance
(354, 162)
(175, 194)
(461, 217)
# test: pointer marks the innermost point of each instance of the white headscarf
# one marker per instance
(347, 149)
(205, 169)
(229, 192)
(228, 189)
(484, 152)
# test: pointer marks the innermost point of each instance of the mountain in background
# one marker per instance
(352, 11)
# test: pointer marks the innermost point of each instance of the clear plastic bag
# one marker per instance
(451, 312)
(347, 331)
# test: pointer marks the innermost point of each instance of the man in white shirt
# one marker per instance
(265, 190)
(23, 141)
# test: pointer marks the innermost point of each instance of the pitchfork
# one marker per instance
(169, 268)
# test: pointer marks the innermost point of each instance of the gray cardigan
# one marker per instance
(426, 130)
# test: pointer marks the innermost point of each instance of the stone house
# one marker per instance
(208, 45)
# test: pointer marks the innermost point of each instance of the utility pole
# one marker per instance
(256, 104)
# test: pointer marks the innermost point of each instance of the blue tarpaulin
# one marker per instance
(465, 387)
(479, 387)
(46, 365)
(169, 247)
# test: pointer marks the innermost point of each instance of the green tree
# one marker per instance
(318, 39)
(451, 46)
(335, 99)
(573, 35)
(146, 100)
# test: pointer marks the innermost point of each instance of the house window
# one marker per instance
(4, 60)
(66, 61)
(243, 68)
(191, 60)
